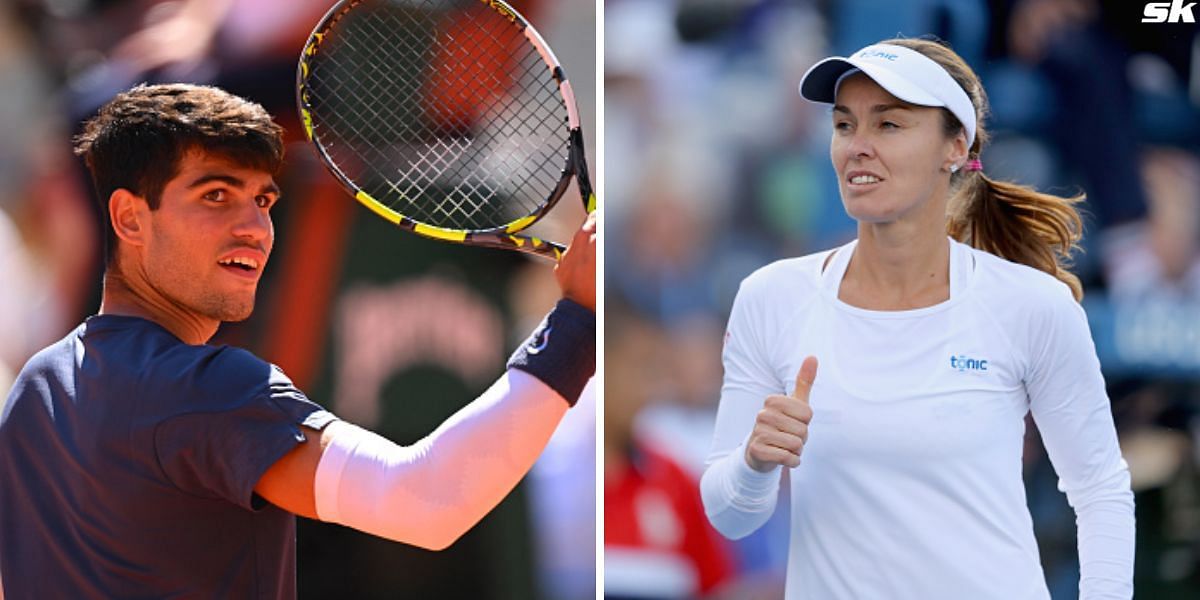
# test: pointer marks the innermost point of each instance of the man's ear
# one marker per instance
(129, 214)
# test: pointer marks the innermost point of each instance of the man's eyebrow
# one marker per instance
(230, 180)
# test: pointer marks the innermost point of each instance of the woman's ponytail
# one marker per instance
(1017, 223)
(1012, 221)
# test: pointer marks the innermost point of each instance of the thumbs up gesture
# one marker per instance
(781, 429)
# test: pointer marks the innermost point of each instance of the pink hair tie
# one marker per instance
(974, 165)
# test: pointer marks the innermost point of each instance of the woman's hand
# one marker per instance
(781, 429)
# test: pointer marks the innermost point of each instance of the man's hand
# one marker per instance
(576, 272)
(781, 429)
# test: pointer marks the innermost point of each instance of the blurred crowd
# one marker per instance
(334, 268)
(716, 167)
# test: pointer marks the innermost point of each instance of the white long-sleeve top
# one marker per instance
(910, 484)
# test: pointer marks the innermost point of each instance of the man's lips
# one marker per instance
(244, 262)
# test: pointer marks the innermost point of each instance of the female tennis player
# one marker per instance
(903, 448)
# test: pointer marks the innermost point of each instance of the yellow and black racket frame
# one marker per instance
(504, 236)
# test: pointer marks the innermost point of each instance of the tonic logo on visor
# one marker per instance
(877, 54)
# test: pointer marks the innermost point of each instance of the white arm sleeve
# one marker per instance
(432, 492)
(737, 499)
(1071, 409)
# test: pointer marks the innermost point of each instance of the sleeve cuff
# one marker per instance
(750, 483)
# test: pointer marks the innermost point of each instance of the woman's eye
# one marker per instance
(841, 126)
(890, 125)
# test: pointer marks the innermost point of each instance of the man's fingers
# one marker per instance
(585, 235)
(576, 270)
(805, 378)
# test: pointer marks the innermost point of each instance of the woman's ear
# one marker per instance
(957, 155)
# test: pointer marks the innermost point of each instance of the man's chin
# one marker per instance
(238, 315)
(231, 311)
(235, 318)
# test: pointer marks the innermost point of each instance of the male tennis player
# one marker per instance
(137, 461)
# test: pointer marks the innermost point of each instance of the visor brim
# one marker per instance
(819, 84)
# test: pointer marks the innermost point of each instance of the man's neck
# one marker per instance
(136, 298)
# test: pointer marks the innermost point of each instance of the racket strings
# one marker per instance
(443, 112)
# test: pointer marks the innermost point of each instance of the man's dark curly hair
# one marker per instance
(138, 139)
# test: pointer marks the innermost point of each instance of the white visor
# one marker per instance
(905, 74)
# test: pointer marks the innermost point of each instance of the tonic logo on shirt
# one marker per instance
(966, 363)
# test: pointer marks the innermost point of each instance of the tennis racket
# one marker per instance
(450, 118)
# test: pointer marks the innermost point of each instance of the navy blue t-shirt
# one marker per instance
(128, 461)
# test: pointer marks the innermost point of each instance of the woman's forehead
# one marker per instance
(860, 89)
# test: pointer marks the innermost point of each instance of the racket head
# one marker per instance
(450, 118)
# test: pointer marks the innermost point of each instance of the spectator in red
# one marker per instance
(657, 541)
